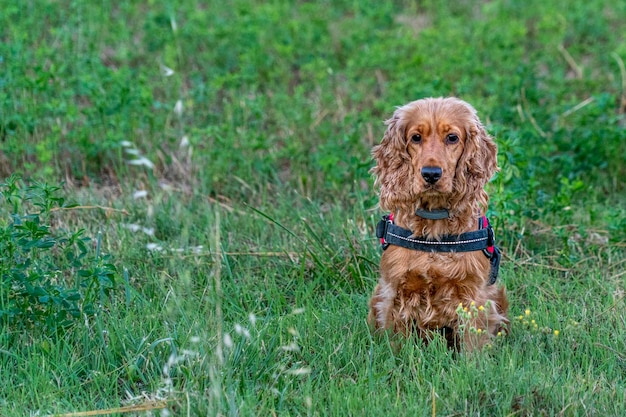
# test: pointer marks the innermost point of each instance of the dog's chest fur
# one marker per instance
(429, 286)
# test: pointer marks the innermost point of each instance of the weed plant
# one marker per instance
(219, 253)
(49, 279)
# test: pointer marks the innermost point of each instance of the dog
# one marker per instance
(440, 262)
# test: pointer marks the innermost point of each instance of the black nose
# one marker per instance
(431, 174)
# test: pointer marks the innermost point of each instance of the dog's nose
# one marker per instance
(431, 174)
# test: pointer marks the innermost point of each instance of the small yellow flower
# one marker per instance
(499, 334)
(520, 318)
(532, 321)
(473, 303)
(527, 312)
(556, 332)
(479, 331)
(465, 309)
(481, 308)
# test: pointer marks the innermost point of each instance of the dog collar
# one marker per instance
(482, 239)
(438, 214)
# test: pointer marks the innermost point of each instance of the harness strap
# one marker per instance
(482, 239)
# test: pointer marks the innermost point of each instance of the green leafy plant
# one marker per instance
(48, 277)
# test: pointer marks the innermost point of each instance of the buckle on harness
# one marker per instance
(381, 230)
(492, 253)
(483, 223)
(491, 237)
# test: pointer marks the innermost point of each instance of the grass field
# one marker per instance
(187, 218)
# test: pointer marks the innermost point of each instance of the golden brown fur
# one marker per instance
(421, 291)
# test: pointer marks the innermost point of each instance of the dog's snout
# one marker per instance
(431, 174)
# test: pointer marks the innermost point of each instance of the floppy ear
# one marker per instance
(393, 163)
(478, 162)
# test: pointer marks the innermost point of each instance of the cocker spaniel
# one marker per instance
(440, 263)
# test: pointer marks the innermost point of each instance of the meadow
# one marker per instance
(187, 214)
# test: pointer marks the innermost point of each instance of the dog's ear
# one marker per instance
(393, 167)
(479, 161)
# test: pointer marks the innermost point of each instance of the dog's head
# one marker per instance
(435, 150)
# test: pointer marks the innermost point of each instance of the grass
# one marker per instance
(222, 150)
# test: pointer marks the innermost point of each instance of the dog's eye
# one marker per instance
(452, 139)
(416, 138)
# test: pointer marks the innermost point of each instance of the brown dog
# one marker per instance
(438, 270)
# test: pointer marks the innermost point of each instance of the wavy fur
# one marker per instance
(419, 291)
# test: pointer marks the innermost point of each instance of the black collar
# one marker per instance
(482, 239)
(438, 214)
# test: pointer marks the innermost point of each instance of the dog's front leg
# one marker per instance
(381, 306)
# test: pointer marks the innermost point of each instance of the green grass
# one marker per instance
(261, 203)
